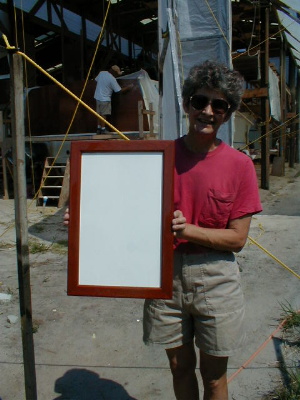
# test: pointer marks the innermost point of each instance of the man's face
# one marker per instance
(208, 113)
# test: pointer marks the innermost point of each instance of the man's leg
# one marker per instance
(101, 122)
(183, 365)
(214, 375)
(102, 109)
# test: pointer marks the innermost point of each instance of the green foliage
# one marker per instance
(60, 247)
(292, 317)
(291, 389)
(36, 247)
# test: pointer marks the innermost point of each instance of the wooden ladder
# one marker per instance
(54, 183)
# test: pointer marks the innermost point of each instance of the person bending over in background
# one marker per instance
(107, 85)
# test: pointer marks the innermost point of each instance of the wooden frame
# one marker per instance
(121, 208)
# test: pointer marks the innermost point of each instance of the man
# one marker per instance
(107, 85)
(215, 196)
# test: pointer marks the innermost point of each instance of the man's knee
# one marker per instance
(213, 372)
(182, 361)
(180, 369)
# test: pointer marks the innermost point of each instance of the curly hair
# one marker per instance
(215, 76)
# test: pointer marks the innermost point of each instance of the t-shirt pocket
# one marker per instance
(216, 211)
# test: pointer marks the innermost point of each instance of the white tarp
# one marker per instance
(149, 89)
(291, 22)
(204, 30)
(170, 88)
(292, 4)
(242, 125)
(274, 95)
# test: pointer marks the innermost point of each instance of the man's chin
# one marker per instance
(203, 130)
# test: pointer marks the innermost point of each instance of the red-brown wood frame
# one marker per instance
(166, 147)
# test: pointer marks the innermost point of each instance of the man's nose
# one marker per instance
(208, 109)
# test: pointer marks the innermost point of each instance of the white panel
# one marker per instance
(274, 95)
(128, 188)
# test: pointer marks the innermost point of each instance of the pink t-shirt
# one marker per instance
(213, 188)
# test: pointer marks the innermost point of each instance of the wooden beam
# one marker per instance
(265, 139)
(20, 196)
(255, 93)
(292, 137)
(3, 149)
(36, 7)
(283, 94)
(141, 119)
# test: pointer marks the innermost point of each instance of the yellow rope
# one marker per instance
(8, 46)
(273, 130)
(259, 44)
(274, 258)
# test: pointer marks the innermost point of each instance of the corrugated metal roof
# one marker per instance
(288, 16)
(287, 11)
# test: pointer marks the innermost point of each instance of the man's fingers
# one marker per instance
(66, 217)
(178, 214)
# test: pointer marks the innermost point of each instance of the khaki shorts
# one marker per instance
(207, 305)
(103, 107)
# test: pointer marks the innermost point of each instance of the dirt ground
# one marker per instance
(91, 348)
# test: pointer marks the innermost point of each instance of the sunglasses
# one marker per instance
(199, 102)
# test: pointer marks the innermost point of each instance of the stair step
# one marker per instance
(49, 197)
(54, 166)
(51, 187)
(52, 184)
(53, 176)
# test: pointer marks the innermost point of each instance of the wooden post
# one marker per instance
(3, 152)
(282, 147)
(298, 119)
(141, 113)
(20, 196)
(151, 125)
(141, 119)
(292, 136)
(265, 140)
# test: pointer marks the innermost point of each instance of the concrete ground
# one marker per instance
(91, 348)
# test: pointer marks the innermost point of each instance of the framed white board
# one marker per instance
(121, 207)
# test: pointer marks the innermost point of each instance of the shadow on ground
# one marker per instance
(50, 227)
(82, 384)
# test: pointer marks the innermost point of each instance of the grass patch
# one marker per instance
(60, 247)
(36, 247)
(297, 174)
(292, 317)
(289, 392)
(35, 325)
(4, 246)
(291, 389)
(10, 290)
